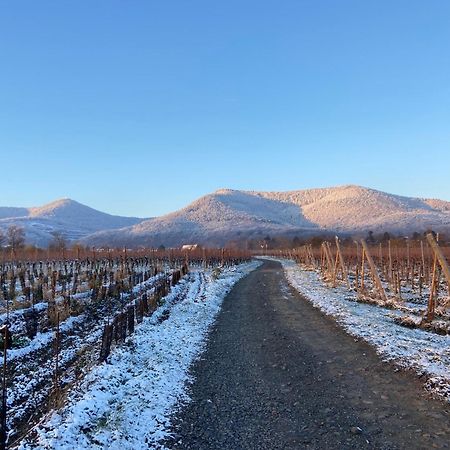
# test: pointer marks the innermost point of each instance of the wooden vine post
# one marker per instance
(310, 255)
(357, 266)
(390, 261)
(340, 261)
(422, 254)
(335, 268)
(3, 423)
(431, 307)
(408, 259)
(375, 275)
(57, 354)
(322, 258)
(438, 257)
(363, 257)
(328, 257)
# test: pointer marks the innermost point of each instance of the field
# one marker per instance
(62, 315)
(412, 277)
(77, 327)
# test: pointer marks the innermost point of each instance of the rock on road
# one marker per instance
(278, 374)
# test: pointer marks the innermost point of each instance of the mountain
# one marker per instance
(67, 216)
(227, 214)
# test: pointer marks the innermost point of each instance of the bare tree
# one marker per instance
(58, 242)
(2, 238)
(15, 237)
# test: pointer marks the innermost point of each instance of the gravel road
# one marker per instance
(278, 374)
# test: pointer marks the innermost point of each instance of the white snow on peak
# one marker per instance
(229, 214)
(74, 220)
(58, 207)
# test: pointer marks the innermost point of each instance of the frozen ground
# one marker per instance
(279, 374)
(426, 353)
(32, 366)
(125, 403)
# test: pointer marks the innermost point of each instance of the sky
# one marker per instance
(139, 107)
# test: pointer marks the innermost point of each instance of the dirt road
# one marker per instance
(278, 374)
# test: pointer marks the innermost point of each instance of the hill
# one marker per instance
(74, 220)
(227, 214)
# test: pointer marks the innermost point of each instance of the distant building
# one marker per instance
(190, 247)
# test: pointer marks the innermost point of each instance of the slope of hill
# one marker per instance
(7, 211)
(227, 214)
(67, 216)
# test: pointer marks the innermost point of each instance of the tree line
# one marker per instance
(288, 242)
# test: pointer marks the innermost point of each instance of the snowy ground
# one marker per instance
(425, 352)
(126, 403)
(32, 366)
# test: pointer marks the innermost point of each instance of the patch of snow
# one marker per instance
(126, 403)
(426, 353)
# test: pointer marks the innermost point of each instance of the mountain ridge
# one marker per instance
(230, 214)
(66, 216)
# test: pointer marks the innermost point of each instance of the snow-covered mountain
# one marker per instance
(226, 215)
(69, 217)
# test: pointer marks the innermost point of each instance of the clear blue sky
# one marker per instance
(139, 107)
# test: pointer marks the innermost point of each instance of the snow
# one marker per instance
(126, 403)
(229, 214)
(31, 385)
(74, 220)
(425, 352)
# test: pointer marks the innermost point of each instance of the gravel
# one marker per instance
(278, 374)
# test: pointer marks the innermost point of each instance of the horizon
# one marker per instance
(137, 110)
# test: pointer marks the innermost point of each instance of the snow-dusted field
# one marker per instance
(425, 352)
(126, 403)
(32, 364)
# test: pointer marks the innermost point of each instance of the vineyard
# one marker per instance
(62, 313)
(412, 277)
(62, 316)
